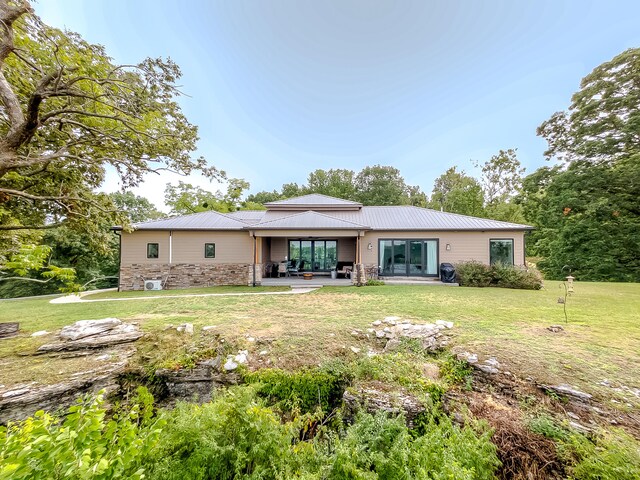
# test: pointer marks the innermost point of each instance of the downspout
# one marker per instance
(170, 258)
(524, 249)
(119, 256)
(255, 253)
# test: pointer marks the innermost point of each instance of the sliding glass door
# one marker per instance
(314, 255)
(417, 257)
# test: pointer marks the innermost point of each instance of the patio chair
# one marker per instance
(344, 268)
(283, 270)
(294, 269)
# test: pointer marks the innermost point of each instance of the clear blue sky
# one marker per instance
(280, 88)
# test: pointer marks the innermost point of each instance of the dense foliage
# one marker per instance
(477, 274)
(588, 213)
(237, 436)
(85, 444)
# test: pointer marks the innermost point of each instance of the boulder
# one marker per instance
(9, 329)
(195, 384)
(118, 334)
(373, 399)
(88, 328)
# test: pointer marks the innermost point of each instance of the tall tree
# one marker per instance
(381, 185)
(603, 120)
(334, 182)
(137, 208)
(589, 211)
(501, 177)
(184, 198)
(457, 192)
(69, 113)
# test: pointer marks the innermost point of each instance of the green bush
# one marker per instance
(305, 389)
(84, 445)
(372, 282)
(381, 447)
(613, 455)
(234, 436)
(476, 274)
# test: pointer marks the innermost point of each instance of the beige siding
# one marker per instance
(278, 249)
(346, 249)
(187, 247)
(134, 247)
(464, 245)
(231, 247)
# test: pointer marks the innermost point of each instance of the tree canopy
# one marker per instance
(69, 113)
(588, 213)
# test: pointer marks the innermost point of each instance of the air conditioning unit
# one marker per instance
(153, 284)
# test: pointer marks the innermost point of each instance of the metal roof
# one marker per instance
(209, 220)
(315, 199)
(375, 218)
(247, 216)
(308, 220)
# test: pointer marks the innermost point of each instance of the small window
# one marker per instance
(152, 250)
(501, 251)
(209, 250)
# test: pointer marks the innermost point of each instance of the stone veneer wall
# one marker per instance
(364, 272)
(186, 275)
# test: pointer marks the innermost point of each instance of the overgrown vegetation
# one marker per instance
(85, 444)
(477, 274)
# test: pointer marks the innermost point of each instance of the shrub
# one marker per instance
(476, 274)
(613, 455)
(84, 445)
(372, 282)
(234, 436)
(304, 389)
(383, 445)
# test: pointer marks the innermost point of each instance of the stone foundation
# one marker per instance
(187, 275)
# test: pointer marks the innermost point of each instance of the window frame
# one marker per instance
(157, 250)
(407, 256)
(214, 249)
(513, 249)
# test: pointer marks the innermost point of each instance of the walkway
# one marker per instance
(79, 298)
(299, 282)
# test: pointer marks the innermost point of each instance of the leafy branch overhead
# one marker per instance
(69, 113)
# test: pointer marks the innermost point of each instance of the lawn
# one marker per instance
(601, 340)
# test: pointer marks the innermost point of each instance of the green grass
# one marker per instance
(600, 341)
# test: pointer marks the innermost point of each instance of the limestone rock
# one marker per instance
(374, 399)
(39, 333)
(444, 323)
(88, 328)
(185, 328)
(570, 391)
(208, 328)
(555, 328)
(230, 365)
(355, 349)
(118, 334)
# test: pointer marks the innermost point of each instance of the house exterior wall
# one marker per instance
(464, 245)
(232, 264)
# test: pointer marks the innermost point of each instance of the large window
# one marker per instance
(209, 250)
(152, 250)
(412, 257)
(313, 255)
(501, 251)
